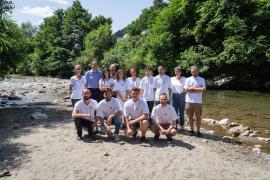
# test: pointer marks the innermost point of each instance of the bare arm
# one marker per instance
(76, 114)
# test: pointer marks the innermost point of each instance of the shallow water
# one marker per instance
(251, 109)
(248, 108)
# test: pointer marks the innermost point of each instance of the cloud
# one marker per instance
(64, 2)
(37, 11)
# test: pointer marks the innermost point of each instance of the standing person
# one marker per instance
(194, 86)
(133, 81)
(147, 89)
(110, 112)
(83, 113)
(112, 71)
(121, 87)
(106, 82)
(92, 80)
(76, 85)
(165, 118)
(136, 115)
(178, 95)
(162, 84)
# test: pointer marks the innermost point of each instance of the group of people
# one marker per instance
(133, 104)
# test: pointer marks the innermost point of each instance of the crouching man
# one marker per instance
(136, 114)
(83, 114)
(110, 112)
(164, 117)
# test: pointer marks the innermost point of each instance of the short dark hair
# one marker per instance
(136, 89)
(107, 90)
(147, 68)
(163, 94)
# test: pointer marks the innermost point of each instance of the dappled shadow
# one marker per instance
(17, 122)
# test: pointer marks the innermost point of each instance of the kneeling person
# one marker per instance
(164, 117)
(83, 113)
(110, 111)
(136, 115)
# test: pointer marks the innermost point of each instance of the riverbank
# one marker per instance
(46, 148)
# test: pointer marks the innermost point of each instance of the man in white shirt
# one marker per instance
(76, 85)
(136, 115)
(109, 112)
(133, 81)
(162, 84)
(194, 86)
(164, 117)
(84, 113)
(147, 89)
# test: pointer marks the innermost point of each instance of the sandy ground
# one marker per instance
(48, 149)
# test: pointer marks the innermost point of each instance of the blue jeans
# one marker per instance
(117, 123)
(178, 101)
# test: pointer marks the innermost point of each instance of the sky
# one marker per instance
(122, 12)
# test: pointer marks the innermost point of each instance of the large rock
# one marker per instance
(39, 116)
(209, 121)
(240, 129)
(263, 139)
(224, 123)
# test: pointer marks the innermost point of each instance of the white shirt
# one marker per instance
(87, 109)
(107, 83)
(105, 109)
(162, 85)
(133, 110)
(178, 84)
(78, 86)
(195, 97)
(164, 115)
(148, 89)
(121, 85)
(132, 83)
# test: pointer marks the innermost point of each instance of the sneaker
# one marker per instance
(79, 138)
(190, 133)
(135, 134)
(143, 139)
(199, 134)
(169, 139)
(170, 143)
(116, 137)
(110, 136)
(156, 137)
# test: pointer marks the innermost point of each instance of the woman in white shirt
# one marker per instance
(106, 82)
(121, 87)
(76, 85)
(178, 94)
(133, 81)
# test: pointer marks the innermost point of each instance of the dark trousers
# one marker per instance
(95, 94)
(80, 123)
(150, 106)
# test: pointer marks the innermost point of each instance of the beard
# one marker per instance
(86, 98)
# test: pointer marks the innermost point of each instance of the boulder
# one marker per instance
(256, 150)
(209, 121)
(263, 139)
(39, 116)
(252, 135)
(233, 124)
(224, 122)
(246, 133)
(210, 132)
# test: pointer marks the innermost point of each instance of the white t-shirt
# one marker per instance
(194, 82)
(105, 109)
(121, 85)
(87, 109)
(164, 115)
(132, 83)
(107, 83)
(148, 89)
(178, 84)
(78, 86)
(162, 85)
(133, 110)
